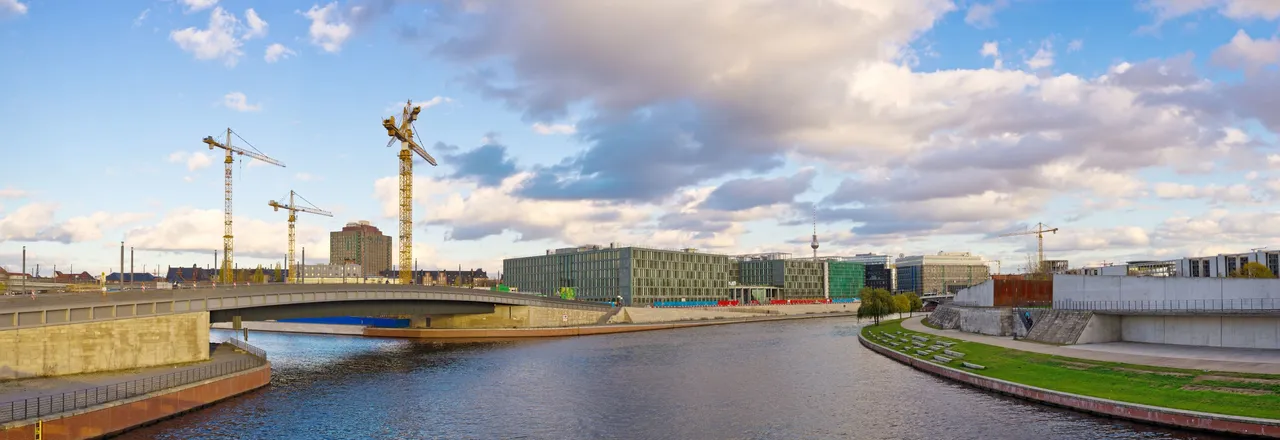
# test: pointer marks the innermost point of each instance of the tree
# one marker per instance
(258, 276)
(1036, 269)
(901, 304)
(1253, 269)
(875, 303)
(915, 303)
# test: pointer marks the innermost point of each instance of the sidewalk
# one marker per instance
(1190, 359)
(20, 389)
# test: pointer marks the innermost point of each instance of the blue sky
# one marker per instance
(1141, 129)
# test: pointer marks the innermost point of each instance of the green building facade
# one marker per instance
(639, 275)
(846, 279)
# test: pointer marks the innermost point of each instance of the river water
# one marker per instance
(804, 379)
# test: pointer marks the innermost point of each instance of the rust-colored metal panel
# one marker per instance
(1014, 292)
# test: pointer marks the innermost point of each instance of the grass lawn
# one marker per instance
(1251, 395)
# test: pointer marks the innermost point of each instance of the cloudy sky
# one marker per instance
(1142, 129)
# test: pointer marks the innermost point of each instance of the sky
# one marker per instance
(1141, 130)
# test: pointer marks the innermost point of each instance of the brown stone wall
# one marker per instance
(119, 344)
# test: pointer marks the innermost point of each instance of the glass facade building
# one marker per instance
(946, 272)
(639, 275)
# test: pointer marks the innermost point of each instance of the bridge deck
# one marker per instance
(65, 308)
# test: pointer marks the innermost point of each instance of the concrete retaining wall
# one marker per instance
(104, 345)
(123, 415)
(980, 295)
(1101, 328)
(520, 317)
(1159, 289)
(1093, 405)
(1212, 331)
(981, 320)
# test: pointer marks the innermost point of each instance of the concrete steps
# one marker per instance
(607, 316)
(1059, 326)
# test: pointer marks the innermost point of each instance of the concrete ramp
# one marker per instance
(1059, 326)
(945, 316)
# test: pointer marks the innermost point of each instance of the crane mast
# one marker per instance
(295, 273)
(405, 134)
(228, 240)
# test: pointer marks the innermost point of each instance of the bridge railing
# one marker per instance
(41, 406)
(1188, 305)
(246, 347)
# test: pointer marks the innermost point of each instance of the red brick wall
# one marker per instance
(121, 417)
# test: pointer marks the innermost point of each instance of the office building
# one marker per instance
(1222, 265)
(878, 270)
(317, 272)
(362, 244)
(639, 275)
(1055, 266)
(946, 272)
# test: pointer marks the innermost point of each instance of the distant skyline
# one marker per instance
(1144, 130)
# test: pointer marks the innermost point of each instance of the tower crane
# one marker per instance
(405, 133)
(1039, 231)
(227, 242)
(293, 208)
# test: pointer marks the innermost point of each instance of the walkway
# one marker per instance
(16, 390)
(1187, 358)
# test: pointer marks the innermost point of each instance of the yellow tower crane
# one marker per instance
(228, 243)
(405, 134)
(1039, 233)
(291, 264)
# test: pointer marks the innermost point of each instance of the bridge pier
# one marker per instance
(419, 321)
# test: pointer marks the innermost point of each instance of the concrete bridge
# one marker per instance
(71, 333)
(268, 302)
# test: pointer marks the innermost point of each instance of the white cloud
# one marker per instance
(200, 231)
(982, 15)
(239, 102)
(992, 49)
(194, 160)
(141, 17)
(277, 51)
(218, 41)
(12, 8)
(35, 222)
(1236, 194)
(12, 193)
(541, 128)
(198, 5)
(328, 28)
(257, 26)
(1247, 54)
(1075, 45)
(1235, 9)
(1043, 57)
(397, 107)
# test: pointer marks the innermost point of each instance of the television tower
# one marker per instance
(814, 244)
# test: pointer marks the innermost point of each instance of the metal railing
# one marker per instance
(1243, 304)
(246, 347)
(73, 400)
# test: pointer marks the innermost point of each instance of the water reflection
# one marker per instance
(782, 380)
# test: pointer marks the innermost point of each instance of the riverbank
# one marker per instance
(547, 332)
(101, 404)
(1227, 402)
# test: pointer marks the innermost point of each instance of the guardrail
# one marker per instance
(246, 347)
(73, 400)
(1244, 304)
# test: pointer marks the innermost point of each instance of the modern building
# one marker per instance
(845, 279)
(329, 271)
(638, 275)
(1056, 266)
(362, 244)
(941, 273)
(1223, 265)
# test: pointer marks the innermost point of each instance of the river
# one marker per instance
(804, 379)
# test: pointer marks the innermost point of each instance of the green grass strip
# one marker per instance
(1193, 390)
